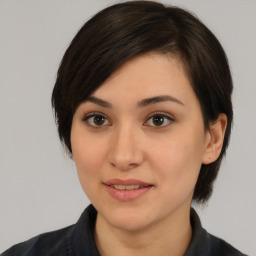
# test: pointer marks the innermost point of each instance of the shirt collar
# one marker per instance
(81, 239)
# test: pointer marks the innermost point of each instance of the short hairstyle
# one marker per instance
(125, 30)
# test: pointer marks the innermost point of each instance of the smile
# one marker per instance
(127, 190)
(123, 187)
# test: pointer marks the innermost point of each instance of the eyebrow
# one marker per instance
(156, 99)
(140, 104)
(98, 101)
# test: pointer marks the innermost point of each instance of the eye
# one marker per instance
(159, 120)
(96, 120)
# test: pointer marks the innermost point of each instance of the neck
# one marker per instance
(170, 236)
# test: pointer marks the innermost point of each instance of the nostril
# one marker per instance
(124, 166)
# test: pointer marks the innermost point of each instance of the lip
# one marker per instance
(127, 195)
(126, 182)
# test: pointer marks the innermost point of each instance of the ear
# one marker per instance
(214, 139)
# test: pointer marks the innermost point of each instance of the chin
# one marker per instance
(127, 217)
(129, 224)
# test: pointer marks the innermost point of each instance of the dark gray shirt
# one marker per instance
(77, 240)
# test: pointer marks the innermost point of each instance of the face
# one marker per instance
(138, 143)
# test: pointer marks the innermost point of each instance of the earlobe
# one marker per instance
(215, 138)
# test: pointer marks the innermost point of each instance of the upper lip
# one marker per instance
(128, 182)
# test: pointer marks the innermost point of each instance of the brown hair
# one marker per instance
(123, 31)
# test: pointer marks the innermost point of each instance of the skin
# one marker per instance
(131, 144)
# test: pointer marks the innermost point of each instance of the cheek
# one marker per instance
(177, 161)
(88, 158)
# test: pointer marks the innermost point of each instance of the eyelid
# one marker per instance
(92, 114)
(165, 115)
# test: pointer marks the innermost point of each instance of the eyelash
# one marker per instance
(91, 115)
(88, 116)
(159, 114)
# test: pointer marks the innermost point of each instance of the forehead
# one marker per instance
(146, 76)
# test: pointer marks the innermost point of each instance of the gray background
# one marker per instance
(39, 189)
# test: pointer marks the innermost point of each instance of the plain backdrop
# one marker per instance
(39, 188)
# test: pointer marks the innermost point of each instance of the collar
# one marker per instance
(81, 239)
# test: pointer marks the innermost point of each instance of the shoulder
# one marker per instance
(73, 240)
(222, 248)
(203, 243)
(44, 244)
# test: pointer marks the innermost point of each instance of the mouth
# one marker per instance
(127, 190)
(126, 183)
(130, 187)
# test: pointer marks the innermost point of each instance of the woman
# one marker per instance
(143, 105)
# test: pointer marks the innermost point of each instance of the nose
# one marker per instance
(125, 148)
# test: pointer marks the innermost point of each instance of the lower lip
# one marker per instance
(127, 195)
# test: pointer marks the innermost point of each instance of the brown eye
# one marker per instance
(159, 120)
(99, 120)
(96, 120)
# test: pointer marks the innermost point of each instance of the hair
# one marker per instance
(125, 30)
